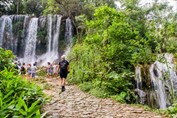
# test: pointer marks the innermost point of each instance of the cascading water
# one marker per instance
(138, 79)
(35, 39)
(68, 35)
(49, 19)
(163, 82)
(6, 33)
(20, 23)
(156, 75)
(30, 48)
(53, 39)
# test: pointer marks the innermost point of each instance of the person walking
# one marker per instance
(55, 69)
(33, 71)
(29, 71)
(49, 70)
(23, 70)
(64, 70)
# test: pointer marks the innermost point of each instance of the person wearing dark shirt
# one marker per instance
(23, 70)
(64, 69)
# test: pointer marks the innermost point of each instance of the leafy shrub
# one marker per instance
(18, 97)
(120, 98)
(118, 82)
(99, 92)
(172, 110)
(6, 59)
(86, 86)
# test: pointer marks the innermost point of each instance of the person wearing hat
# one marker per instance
(64, 70)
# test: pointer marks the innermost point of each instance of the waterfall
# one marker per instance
(6, 33)
(138, 77)
(139, 89)
(24, 25)
(164, 80)
(20, 23)
(160, 87)
(30, 48)
(49, 23)
(56, 36)
(68, 35)
(35, 39)
(53, 24)
(156, 75)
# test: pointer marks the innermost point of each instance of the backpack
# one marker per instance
(63, 65)
(22, 68)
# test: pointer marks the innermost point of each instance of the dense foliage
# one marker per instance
(115, 42)
(18, 97)
(110, 42)
(6, 59)
(69, 8)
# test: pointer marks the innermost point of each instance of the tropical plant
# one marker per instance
(6, 59)
(116, 41)
(18, 97)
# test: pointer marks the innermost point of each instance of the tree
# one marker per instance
(33, 7)
(5, 6)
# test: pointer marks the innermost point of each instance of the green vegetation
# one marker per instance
(6, 59)
(18, 97)
(172, 110)
(109, 43)
(114, 42)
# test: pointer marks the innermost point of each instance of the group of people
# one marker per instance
(28, 70)
(61, 69)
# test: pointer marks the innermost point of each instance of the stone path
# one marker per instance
(73, 103)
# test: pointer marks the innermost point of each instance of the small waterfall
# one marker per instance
(49, 22)
(139, 89)
(164, 80)
(56, 36)
(156, 75)
(138, 77)
(54, 23)
(20, 23)
(68, 35)
(24, 25)
(6, 33)
(30, 48)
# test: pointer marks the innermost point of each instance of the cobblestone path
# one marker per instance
(73, 103)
